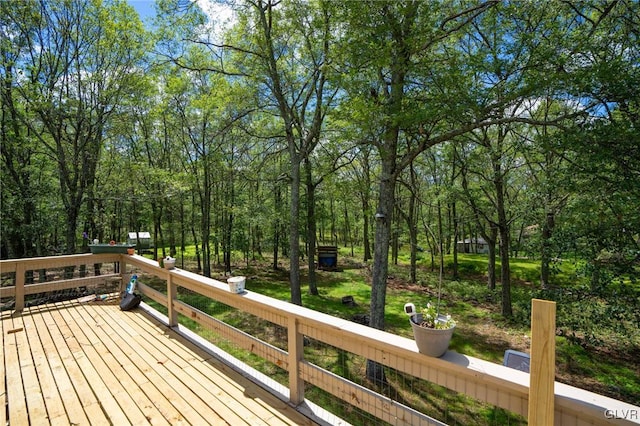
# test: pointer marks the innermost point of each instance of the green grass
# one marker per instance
(481, 332)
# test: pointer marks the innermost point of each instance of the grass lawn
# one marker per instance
(610, 369)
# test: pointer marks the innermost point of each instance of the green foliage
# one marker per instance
(476, 310)
(446, 106)
(431, 318)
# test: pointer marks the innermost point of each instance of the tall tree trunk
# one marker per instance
(346, 228)
(311, 228)
(395, 242)
(171, 229)
(332, 213)
(456, 224)
(365, 230)
(545, 250)
(183, 242)
(294, 229)
(71, 228)
(228, 224)
(366, 208)
(205, 222)
(491, 262)
(503, 228)
(456, 237)
(505, 273)
(276, 229)
(440, 231)
(380, 271)
(413, 238)
(410, 217)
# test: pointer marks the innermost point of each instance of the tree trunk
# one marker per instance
(366, 208)
(412, 223)
(228, 226)
(440, 232)
(455, 273)
(505, 273)
(395, 242)
(170, 228)
(332, 213)
(380, 271)
(503, 228)
(311, 228)
(276, 229)
(491, 263)
(71, 227)
(347, 226)
(545, 255)
(365, 231)
(183, 242)
(294, 231)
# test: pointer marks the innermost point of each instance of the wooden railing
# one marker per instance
(485, 381)
(37, 265)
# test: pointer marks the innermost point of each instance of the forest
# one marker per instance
(261, 129)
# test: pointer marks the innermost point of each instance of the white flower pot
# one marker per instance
(236, 284)
(430, 341)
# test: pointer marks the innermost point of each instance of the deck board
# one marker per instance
(122, 404)
(52, 399)
(188, 362)
(3, 390)
(120, 348)
(33, 393)
(195, 362)
(90, 363)
(206, 391)
(14, 377)
(66, 344)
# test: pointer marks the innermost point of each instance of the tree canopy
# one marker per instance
(379, 124)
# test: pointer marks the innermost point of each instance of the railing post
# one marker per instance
(543, 362)
(122, 269)
(20, 273)
(296, 354)
(171, 297)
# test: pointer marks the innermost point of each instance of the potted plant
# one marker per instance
(432, 331)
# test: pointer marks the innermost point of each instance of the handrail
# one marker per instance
(20, 266)
(485, 381)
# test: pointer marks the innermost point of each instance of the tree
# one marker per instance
(77, 64)
(393, 46)
(208, 108)
(550, 185)
(498, 190)
(25, 174)
(288, 55)
(571, 162)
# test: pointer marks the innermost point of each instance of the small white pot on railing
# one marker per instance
(169, 263)
(236, 284)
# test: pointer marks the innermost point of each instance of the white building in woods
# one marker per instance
(473, 245)
(142, 240)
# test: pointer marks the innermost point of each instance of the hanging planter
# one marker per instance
(431, 331)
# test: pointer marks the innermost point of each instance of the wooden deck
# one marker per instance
(90, 363)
